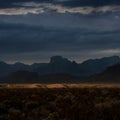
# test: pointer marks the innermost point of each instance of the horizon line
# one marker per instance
(48, 61)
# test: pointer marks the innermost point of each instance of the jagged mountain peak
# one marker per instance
(58, 59)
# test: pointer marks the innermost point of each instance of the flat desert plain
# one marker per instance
(81, 85)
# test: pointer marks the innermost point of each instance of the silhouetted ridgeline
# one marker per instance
(111, 75)
(60, 65)
(58, 70)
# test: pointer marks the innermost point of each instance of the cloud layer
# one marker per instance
(38, 8)
(34, 31)
(69, 3)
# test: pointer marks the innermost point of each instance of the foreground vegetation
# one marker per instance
(60, 104)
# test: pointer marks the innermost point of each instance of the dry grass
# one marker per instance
(81, 85)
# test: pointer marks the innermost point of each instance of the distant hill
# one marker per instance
(110, 75)
(32, 77)
(93, 66)
(20, 77)
(60, 65)
(6, 69)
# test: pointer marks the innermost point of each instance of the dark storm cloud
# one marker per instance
(28, 43)
(10, 3)
(21, 38)
(94, 3)
(69, 3)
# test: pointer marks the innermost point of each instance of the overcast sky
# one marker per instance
(34, 30)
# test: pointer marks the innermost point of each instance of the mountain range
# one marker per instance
(60, 70)
(110, 75)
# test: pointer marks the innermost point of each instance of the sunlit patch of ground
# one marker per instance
(81, 85)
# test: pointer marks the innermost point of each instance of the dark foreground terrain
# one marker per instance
(84, 103)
